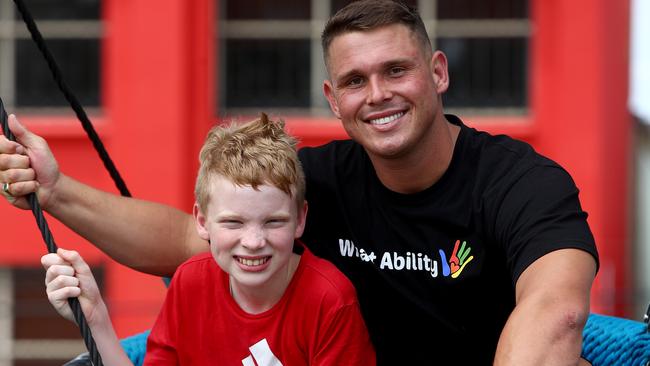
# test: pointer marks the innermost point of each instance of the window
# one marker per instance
(72, 30)
(31, 332)
(270, 56)
(486, 43)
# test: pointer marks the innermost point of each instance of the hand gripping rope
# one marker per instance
(95, 357)
(51, 247)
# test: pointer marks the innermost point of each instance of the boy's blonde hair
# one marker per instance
(254, 153)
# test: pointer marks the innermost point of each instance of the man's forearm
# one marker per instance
(549, 336)
(146, 236)
(552, 297)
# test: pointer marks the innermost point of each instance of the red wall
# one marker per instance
(158, 90)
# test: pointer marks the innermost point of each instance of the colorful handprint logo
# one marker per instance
(457, 261)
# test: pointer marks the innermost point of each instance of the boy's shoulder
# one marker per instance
(197, 260)
(201, 266)
(321, 279)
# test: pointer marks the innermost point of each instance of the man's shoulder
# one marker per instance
(501, 155)
(344, 159)
(333, 150)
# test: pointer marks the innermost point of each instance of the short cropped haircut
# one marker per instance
(255, 153)
(365, 15)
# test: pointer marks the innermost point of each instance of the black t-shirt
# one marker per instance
(435, 270)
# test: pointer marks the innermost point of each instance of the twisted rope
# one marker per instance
(51, 247)
(72, 99)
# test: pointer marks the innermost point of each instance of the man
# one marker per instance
(464, 248)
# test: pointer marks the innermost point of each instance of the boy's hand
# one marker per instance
(27, 165)
(67, 275)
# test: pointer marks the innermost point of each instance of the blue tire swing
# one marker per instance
(607, 340)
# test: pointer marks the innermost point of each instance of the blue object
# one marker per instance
(135, 347)
(607, 341)
(613, 341)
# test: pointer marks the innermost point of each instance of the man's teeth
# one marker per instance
(252, 262)
(384, 120)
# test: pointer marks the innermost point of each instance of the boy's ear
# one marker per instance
(301, 220)
(200, 221)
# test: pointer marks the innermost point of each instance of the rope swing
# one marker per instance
(95, 357)
(51, 247)
(71, 98)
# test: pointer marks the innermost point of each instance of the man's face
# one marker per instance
(384, 88)
(251, 231)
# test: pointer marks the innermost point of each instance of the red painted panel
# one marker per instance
(580, 89)
(148, 101)
(21, 242)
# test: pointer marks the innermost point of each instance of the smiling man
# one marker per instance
(464, 248)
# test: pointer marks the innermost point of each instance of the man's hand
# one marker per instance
(27, 166)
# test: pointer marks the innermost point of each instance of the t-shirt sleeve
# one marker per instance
(161, 343)
(345, 340)
(539, 213)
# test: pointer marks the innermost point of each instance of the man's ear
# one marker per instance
(200, 220)
(301, 220)
(440, 71)
(328, 90)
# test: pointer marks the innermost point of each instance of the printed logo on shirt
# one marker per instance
(457, 261)
(261, 355)
(410, 261)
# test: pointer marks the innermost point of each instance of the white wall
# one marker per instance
(640, 106)
(640, 59)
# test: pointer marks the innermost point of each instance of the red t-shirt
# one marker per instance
(316, 322)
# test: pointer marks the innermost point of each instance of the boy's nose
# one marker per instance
(253, 239)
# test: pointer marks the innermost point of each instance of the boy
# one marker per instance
(252, 300)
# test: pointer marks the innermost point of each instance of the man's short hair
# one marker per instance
(255, 153)
(364, 15)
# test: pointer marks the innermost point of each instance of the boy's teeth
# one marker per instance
(252, 262)
(384, 120)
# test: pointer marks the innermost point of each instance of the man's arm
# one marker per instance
(146, 236)
(552, 306)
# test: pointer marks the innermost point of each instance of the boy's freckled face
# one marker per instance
(251, 231)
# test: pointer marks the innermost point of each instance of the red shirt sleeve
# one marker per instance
(345, 340)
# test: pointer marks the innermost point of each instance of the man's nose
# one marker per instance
(378, 91)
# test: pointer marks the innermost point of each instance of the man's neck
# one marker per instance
(424, 166)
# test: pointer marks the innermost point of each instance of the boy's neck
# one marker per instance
(260, 299)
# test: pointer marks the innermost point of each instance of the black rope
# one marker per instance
(72, 100)
(51, 247)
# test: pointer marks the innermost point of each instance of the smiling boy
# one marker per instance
(259, 297)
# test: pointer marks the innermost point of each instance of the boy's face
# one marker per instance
(251, 232)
